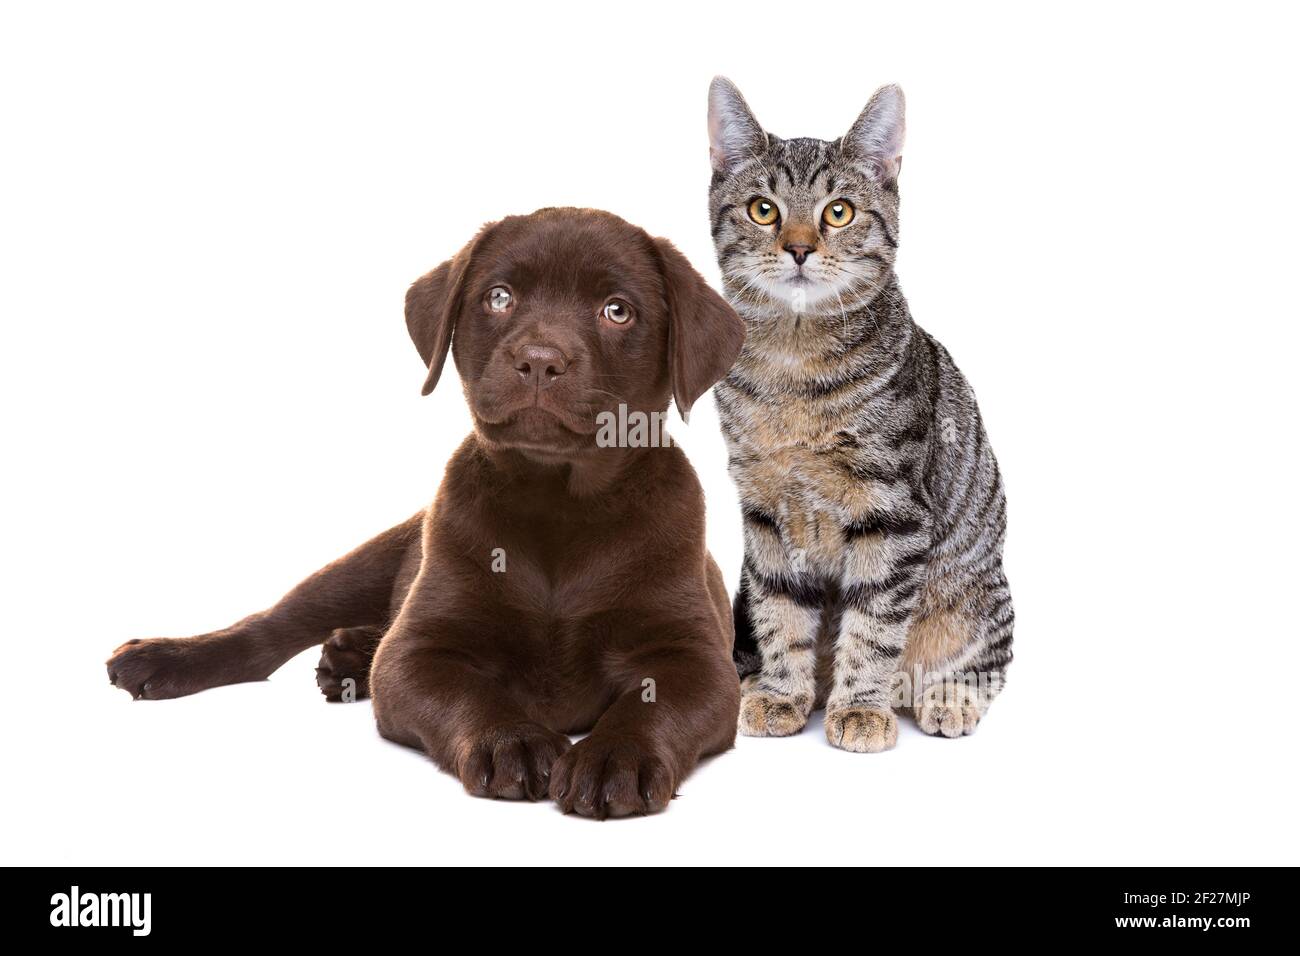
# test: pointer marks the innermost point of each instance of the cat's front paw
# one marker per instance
(949, 710)
(769, 715)
(863, 730)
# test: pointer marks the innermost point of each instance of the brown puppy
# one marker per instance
(555, 586)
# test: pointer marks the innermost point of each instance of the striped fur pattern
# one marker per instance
(874, 511)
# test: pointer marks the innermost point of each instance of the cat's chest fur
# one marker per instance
(784, 418)
(794, 440)
(778, 386)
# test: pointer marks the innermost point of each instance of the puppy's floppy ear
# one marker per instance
(432, 304)
(704, 333)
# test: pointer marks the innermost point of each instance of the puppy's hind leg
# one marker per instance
(356, 591)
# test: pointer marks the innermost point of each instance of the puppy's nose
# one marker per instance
(540, 365)
(799, 250)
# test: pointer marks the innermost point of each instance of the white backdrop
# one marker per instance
(209, 219)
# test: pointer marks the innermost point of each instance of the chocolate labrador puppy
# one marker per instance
(557, 585)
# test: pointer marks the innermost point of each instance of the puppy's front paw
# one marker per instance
(948, 710)
(863, 730)
(611, 777)
(160, 668)
(768, 715)
(512, 762)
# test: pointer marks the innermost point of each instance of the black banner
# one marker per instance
(135, 906)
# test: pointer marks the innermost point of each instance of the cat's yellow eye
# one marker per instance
(838, 213)
(763, 211)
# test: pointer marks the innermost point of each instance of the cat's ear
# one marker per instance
(704, 333)
(876, 139)
(432, 304)
(734, 134)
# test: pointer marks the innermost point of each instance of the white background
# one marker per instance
(209, 219)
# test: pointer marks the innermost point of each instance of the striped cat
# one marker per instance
(874, 512)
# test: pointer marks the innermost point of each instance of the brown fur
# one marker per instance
(608, 583)
(799, 234)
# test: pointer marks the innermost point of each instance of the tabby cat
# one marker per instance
(873, 508)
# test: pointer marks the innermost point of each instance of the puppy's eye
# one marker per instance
(763, 211)
(838, 213)
(617, 311)
(499, 299)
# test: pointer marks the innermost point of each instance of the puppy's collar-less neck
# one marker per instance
(584, 477)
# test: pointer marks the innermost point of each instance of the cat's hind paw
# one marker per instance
(948, 711)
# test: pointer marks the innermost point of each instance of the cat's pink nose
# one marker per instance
(799, 250)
